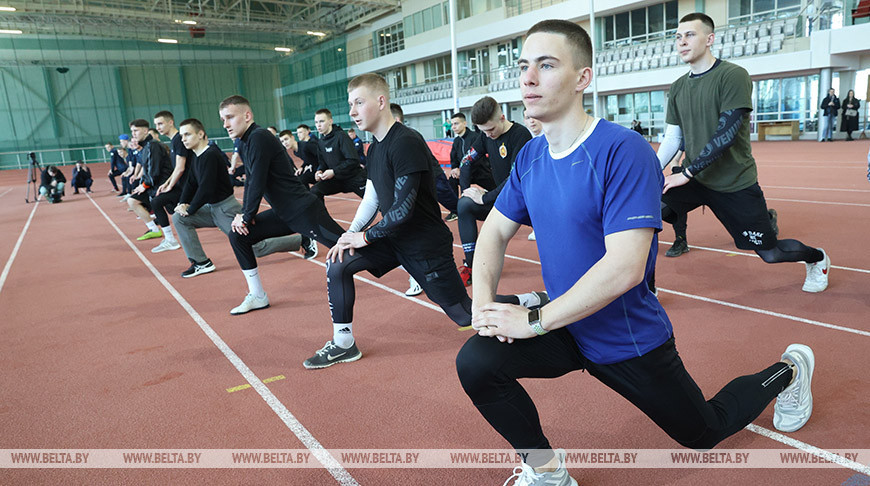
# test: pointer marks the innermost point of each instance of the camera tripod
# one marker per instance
(33, 173)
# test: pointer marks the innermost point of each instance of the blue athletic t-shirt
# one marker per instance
(606, 183)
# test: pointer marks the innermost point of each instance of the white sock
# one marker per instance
(342, 334)
(167, 234)
(530, 299)
(152, 226)
(255, 287)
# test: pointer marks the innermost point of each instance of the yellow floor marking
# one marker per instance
(244, 387)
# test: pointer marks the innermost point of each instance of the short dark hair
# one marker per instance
(704, 18)
(578, 40)
(289, 133)
(273, 127)
(165, 114)
(397, 112)
(197, 125)
(140, 123)
(484, 110)
(323, 111)
(234, 100)
(459, 115)
(302, 125)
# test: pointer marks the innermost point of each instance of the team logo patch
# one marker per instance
(502, 151)
(754, 237)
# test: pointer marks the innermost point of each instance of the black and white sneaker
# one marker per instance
(331, 354)
(198, 269)
(310, 247)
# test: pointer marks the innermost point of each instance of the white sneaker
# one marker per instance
(250, 303)
(532, 236)
(817, 274)
(413, 288)
(794, 405)
(526, 476)
(166, 245)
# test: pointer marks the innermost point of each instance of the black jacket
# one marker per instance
(338, 153)
(830, 110)
(158, 166)
(850, 123)
(45, 178)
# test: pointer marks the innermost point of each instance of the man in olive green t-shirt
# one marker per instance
(709, 108)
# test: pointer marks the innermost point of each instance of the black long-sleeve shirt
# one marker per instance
(307, 151)
(208, 181)
(269, 174)
(338, 153)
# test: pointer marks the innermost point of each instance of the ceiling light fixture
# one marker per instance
(4, 31)
(189, 22)
(7, 9)
(317, 34)
(168, 41)
(283, 49)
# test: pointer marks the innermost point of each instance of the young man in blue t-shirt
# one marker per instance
(594, 185)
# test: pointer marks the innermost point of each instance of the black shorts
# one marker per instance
(436, 274)
(144, 198)
(743, 213)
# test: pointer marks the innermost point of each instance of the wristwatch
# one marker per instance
(535, 322)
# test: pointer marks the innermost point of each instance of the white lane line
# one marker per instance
(17, 246)
(816, 189)
(767, 312)
(818, 202)
(753, 255)
(322, 455)
(7, 191)
(826, 455)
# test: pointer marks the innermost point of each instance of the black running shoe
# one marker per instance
(773, 216)
(198, 269)
(310, 247)
(679, 247)
(331, 354)
(451, 217)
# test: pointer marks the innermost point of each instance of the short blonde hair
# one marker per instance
(374, 82)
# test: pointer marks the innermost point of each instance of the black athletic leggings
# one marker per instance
(657, 383)
(469, 214)
(164, 204)
(445, 288)
(315, 223)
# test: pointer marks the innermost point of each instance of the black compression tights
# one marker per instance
(790, 251)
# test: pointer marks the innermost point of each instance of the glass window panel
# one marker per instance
(409, 25)
(608, 28)
(656, 18)
(463, 9)
(641, 102)
(427, 20)
(638, 22)
(793, 94)
(657, 101)
(612, 107)
(768, 96)
(626, 105)
(763, 5)
(478, 7)
(787, 3)
(622, 27)
(671, 15)
(739, 8)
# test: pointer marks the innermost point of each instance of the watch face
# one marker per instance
(534, 315)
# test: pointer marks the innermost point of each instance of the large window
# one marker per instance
(642, 24)
(755, 10)
(787, 99)
(389, 39)
(427, 19)
(648, 107)
(437, 69)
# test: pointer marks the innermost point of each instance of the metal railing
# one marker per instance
(69, 156)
